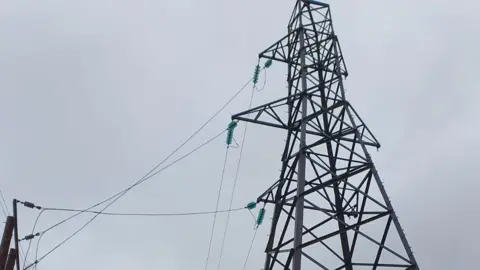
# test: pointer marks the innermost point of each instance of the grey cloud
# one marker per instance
(93, 93)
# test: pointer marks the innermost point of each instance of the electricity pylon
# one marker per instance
(331, 210)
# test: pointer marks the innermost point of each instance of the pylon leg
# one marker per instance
(6, 239)
(11, 259)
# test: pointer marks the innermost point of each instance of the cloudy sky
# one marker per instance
(93, 94)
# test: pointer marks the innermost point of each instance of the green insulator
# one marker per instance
(261, 216)
(251, 205)
(230, 129)
(232, 125)
(268, 63)
(256, 73)
(229, 137)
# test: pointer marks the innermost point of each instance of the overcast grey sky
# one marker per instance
(94, 93)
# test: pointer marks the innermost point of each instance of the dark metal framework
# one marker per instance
(331, 210)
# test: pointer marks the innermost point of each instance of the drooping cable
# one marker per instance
(5, 210)
(148, 214)
(147, 176)
(33, 231)
(216, 207)
(141, 180)
(116, 196)
(113, 201)
(43, 209)
(264, 81)
(119, 194)
(129, 214)
(250, 249)
(235, 182)
(35, 264)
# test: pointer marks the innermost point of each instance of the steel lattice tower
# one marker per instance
(331, 210)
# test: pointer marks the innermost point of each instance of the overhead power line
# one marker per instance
(147, 214)
(216, 207)
(5, 210)
(32, 235)
(250, 249)
(112, 202)
(43, 209)
(237, 172)
(147, 176)
(120, 194)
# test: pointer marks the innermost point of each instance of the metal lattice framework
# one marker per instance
(331, 210)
